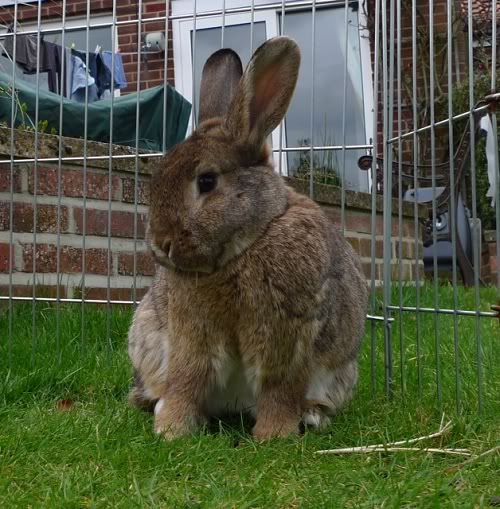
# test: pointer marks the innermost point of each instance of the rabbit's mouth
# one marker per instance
(176, 266)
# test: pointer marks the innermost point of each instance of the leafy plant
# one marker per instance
(22, 119)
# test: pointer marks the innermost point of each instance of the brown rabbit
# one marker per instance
(258, 303)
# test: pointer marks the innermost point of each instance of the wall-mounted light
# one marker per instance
(154, 42)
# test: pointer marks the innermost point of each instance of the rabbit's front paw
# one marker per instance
(172, 422)
(266, 429)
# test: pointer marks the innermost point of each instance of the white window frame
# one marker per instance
(183, 23)
(183, 60)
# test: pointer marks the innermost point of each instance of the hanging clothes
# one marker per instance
(48, 59)
(97, 69)
(51, 56)
(81, 81)
(119, 71)
(25, 50)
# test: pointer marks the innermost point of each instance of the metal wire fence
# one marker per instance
(388, 111)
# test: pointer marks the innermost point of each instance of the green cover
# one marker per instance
(99, 113)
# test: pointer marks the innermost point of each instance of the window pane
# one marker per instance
(236, 37)
(328, 80)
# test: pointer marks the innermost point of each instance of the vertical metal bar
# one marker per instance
(495, 134)
(415, 186)
(400, 202)
(109, 259)
(84, 193)
(137, 128)
(313, 56)
(388, 98)
(35, 181)
(194, 108)
(165, 81)
(282, 123)
(13, 106)
(344, 107)
(373, 296)
(252, 17)
(223, 28)
(64, 73)
(476, 255)
(453, 205)
(437, 344)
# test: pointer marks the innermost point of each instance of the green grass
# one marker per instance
(102, 453)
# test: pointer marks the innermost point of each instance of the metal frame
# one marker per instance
(381, 138)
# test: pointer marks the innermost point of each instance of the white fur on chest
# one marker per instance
(236, 385)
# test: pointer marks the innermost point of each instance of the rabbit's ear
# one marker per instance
(219, 80)
(264, 92)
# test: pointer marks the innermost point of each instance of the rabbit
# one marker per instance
(258, 303)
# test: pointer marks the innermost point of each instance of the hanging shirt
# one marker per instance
(25, 50)
(51, 56)
(97, 69)
(119, 71)
(81, 80)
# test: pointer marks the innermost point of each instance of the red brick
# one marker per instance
(23, 221)
(71, 259)
(156, 7)
(128, 190)
(72, 184)
(5, 181)
(6, 254)
(365, 248)
(144, 264)
(122, 223)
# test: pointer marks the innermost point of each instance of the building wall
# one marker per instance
(149, 73)
(68, 208)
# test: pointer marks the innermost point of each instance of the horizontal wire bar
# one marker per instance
(439, 123)
(74, 28)
(118, 302)
(161, 154)
(262, 7)
(203, 14)
(67, 300)
(376, 318)
(442, 311)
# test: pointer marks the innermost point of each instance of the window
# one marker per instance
(52, 32)
(331, 56)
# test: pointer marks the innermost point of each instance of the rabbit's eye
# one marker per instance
(207, 182)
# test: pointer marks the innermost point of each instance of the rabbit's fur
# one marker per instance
(258, 303)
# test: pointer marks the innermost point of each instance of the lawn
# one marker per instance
(69, 439)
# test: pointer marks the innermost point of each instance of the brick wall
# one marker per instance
(358, 230)
(151, 71)
(72, 237)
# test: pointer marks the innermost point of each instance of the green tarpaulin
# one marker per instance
(99, 113)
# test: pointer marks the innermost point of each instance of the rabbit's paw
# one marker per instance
(266, 430)
(174, 424)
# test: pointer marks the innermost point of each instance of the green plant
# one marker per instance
(326, 167)
(22, 119)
